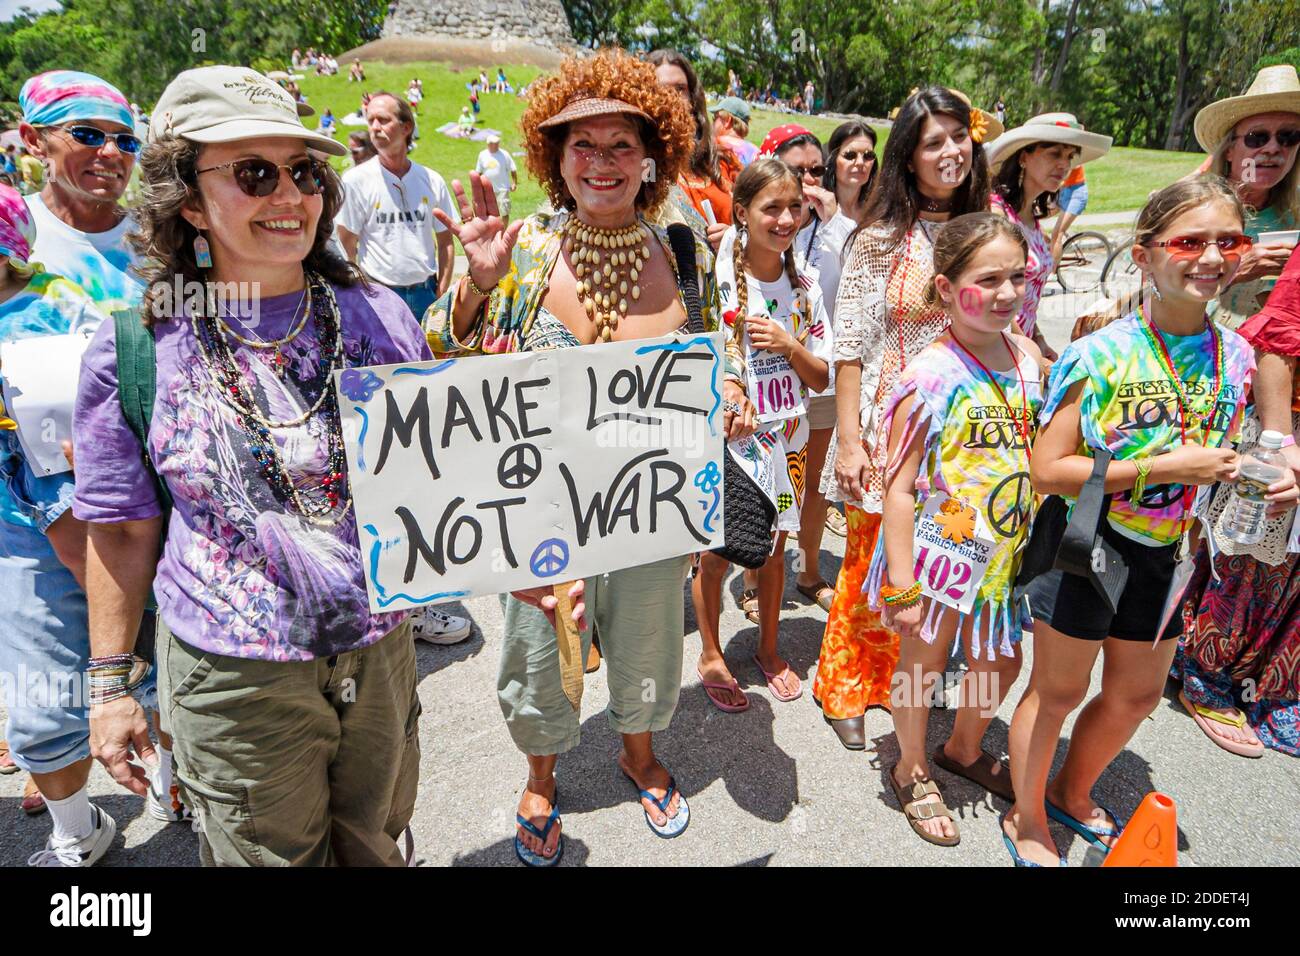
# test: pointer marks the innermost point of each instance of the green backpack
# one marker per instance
(137, 385)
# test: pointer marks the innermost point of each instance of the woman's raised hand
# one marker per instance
(484, 236)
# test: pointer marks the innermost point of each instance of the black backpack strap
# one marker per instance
(137, 384)
(682, 240)
(1075, 554)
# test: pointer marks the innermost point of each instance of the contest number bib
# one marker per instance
(774, 387)
(952, 548)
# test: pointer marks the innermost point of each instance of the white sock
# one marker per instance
(72, 817)
(164, 771)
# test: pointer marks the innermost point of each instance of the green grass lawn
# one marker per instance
(1117, 182)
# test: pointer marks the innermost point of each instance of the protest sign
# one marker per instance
(40, 389)
(485, 474)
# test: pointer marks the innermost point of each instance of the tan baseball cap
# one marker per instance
(222, 104)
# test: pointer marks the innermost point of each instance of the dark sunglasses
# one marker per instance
(261, 177)
(816, 172)
(94, 137)
(1190, 247)
(851, 156)
(1286, 138)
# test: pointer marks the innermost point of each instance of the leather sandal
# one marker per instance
(917, 809)
(986, 771)
(851, 731)
(820, 593)
(749, 604)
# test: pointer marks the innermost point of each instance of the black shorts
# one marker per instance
(1070, 603)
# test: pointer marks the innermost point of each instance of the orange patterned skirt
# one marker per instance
(858, 653)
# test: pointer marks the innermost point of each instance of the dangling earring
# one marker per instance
(202, 252)
(1021, 184)
(1155, 291)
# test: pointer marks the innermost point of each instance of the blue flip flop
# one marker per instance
(674, 826)
(527, 856)
(1092, 834)
(1011, 847)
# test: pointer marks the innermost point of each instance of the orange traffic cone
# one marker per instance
(1150, 838)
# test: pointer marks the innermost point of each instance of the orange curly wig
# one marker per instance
(616, 74)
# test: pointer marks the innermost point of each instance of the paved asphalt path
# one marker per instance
(768, 787)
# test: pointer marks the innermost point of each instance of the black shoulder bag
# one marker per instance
(748, 515)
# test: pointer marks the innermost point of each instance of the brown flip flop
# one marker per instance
(982, 772)
(815, 592)
(917, 809)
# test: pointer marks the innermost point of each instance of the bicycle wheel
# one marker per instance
(1121, 275)
(1083, 257)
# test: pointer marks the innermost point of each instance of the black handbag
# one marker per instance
(1077, 547)
(748, 515)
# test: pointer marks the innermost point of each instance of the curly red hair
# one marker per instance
(669, 137)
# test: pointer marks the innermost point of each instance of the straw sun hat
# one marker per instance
(1274, 89)
(1049, 128)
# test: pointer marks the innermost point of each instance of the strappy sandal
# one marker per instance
(820, 593)
(981, 772)
(527, 856)
(749, 604)
(917, 809)
(7, 765)
(1204, 715)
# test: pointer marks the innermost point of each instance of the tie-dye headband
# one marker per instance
(17, 231)
(58, 96)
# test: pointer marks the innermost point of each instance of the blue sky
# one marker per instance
(9, 7)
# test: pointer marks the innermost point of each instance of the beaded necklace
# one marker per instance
(323, 508)
(1202, 411)
(607, 264)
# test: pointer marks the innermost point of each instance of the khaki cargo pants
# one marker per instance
(311, 763)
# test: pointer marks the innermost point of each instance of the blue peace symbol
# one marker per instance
(549, 558)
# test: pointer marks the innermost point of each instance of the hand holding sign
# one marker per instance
(544, 598)
(486, 239)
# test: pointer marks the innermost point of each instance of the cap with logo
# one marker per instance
(223, 104)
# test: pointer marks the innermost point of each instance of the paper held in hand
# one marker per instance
(952, 547)
(40, 389)
(496, 473)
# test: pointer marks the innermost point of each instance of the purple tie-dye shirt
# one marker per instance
(239, 575)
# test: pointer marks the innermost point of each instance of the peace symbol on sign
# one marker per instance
(1007, 511)
(519, 466)
(549, 558)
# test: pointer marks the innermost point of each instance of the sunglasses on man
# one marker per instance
(94, 137)
(1257, 138)
(261, 177)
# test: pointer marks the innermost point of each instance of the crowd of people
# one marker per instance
(198, 569)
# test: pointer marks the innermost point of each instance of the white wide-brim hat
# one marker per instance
(1049, 128)
(1275, 89)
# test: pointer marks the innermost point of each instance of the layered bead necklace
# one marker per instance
(276, 358)
(331, 498)
(607, 264)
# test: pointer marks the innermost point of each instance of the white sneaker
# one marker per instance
(438, 628)
(83, 852)
(169, 810)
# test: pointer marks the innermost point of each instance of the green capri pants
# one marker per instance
(638, 615)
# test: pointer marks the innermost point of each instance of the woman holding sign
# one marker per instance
(933, 169)
(957, 505)
(293, 707)
(777, 312)
(1163, 390)
(591, 131)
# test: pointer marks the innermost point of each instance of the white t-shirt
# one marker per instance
(818, 252)
(497, 167)
(393, 220)
(96, 261)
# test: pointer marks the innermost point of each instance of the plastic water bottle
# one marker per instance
(1259, 468)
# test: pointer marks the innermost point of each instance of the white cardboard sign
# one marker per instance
(40, 389)
(485, 474)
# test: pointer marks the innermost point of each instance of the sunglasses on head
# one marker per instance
(851, 155)
(261, 177)
(1286, 138)
(94, 137)
(1191, 247)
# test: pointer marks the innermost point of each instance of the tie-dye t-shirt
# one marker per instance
(96, 261)
(974, 449)
(1130, 406)
(241, 575)
(47, 305)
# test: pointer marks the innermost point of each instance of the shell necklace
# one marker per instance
(607, 264)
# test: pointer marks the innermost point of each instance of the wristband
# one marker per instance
(1288, 440)
(1143, 466)
(900, 598)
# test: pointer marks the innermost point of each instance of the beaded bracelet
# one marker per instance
(901, 597)
(117, 675)
(473, 287)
